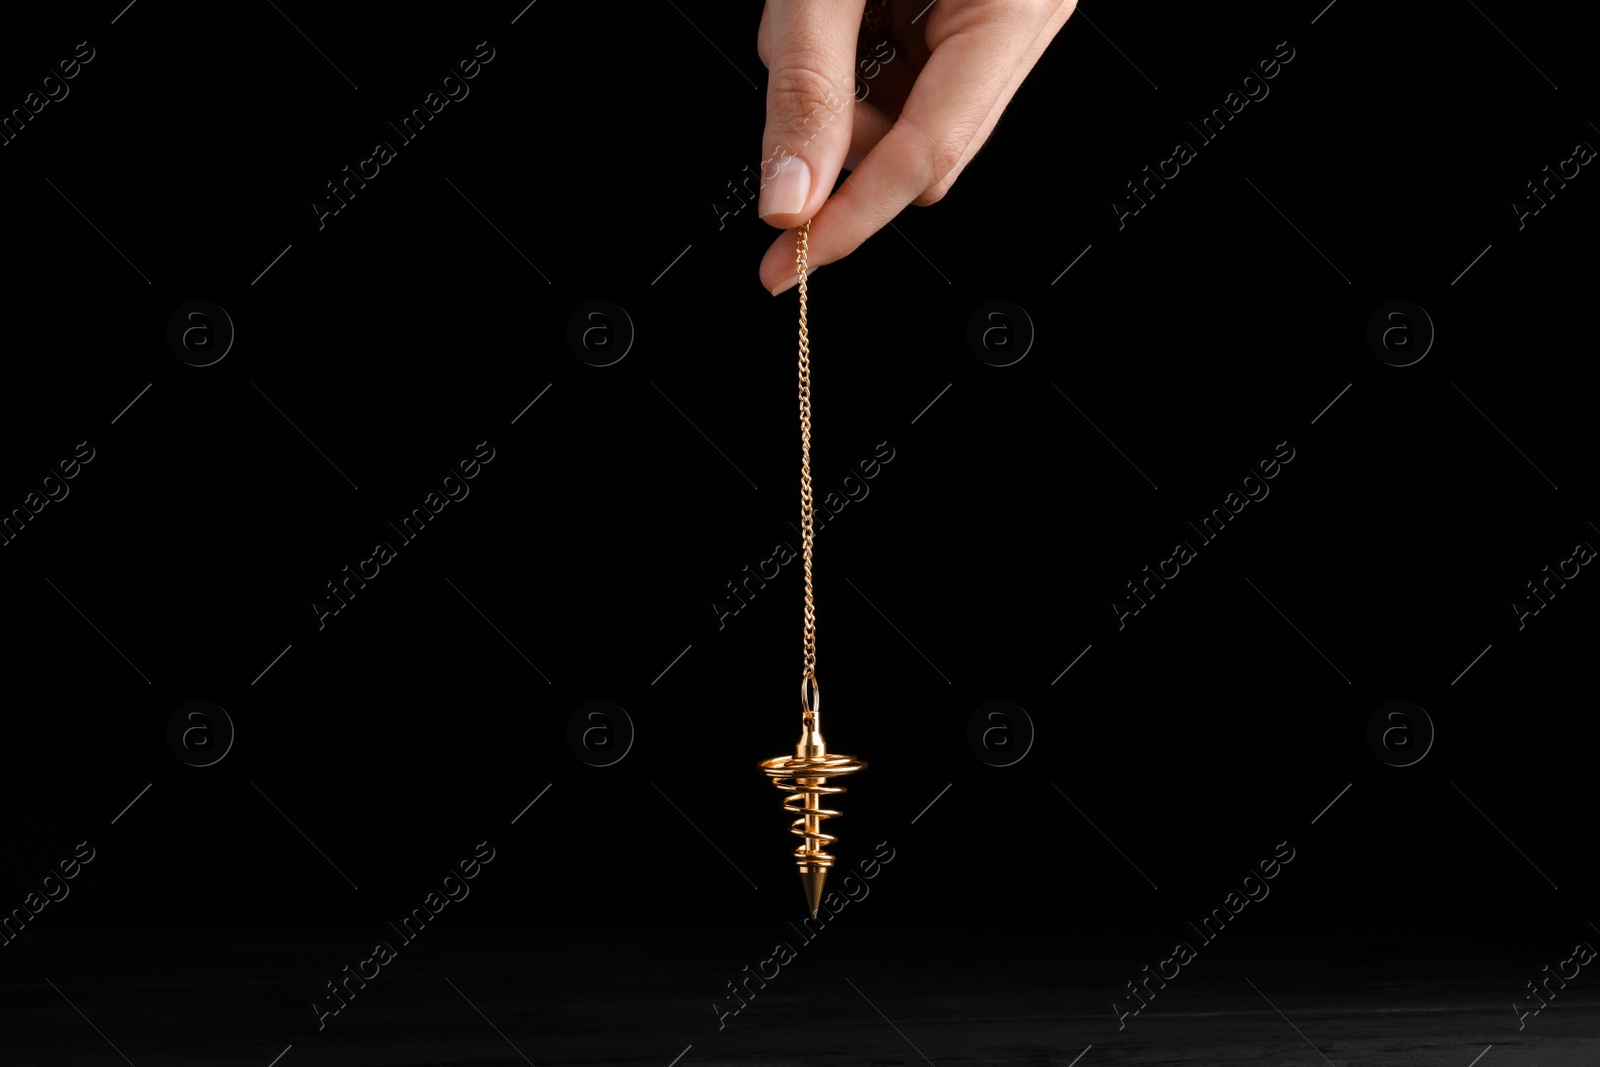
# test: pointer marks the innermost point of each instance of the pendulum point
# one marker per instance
(812, 878)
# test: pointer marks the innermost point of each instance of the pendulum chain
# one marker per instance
(808, 699)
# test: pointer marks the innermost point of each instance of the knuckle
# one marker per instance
(939, 155)
(946, 158)
(797, 91)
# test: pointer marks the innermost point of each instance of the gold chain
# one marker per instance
(809, 675)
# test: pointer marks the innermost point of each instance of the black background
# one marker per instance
(1197, 337)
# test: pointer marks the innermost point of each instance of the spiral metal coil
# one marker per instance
(804, 780)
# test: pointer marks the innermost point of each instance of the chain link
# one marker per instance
(810, 672)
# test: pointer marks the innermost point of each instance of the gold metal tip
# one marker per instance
(811, 880)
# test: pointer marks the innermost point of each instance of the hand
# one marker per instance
(933, 89)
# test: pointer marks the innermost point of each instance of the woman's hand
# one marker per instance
(935, 80)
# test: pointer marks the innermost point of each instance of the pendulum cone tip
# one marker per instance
(811, 880)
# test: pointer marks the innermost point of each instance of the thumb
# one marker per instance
(811, 55)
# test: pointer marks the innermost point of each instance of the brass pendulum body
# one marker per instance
(803, 777)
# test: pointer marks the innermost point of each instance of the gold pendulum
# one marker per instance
(803, 777)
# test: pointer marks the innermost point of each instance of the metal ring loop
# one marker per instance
(810, 695)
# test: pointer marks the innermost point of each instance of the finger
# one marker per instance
(810, 98)
(1030, 59)
(975, 51)
(880, 78)
(883, 75)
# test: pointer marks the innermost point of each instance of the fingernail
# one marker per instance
(785, 286)
(786, 192)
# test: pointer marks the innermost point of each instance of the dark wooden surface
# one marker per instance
(886, 995)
